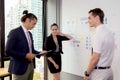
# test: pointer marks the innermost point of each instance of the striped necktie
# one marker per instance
(29, 42)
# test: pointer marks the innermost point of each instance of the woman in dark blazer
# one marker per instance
(54, 43)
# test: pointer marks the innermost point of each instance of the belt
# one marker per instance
(102, 67)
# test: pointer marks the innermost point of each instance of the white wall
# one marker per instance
(74, 15)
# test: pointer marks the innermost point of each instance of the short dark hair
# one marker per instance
(54, 24)
(31, 16)
(98, 12)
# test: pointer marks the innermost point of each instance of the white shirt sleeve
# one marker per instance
(97, 43)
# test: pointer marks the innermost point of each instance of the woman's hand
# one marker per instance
(52, 61)
(56, 66)
(66, 35)
(60, 33)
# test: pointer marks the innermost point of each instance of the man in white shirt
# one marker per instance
(99, 67)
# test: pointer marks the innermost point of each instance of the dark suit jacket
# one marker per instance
(16, 48)
(50, 44)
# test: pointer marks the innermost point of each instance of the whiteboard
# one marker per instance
(74, 16)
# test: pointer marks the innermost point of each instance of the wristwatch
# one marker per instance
(86, 74)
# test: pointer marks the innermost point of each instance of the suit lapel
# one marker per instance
(23, 35)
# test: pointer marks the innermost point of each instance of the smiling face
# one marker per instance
(92, 20)
(54, 30)
(96, 17)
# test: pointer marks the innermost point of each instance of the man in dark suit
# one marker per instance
(21, 49)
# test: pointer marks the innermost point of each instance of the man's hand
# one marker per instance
(43, 52)
(30, 56)
(86, 78)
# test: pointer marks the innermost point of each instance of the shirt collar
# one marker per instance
(98, 27)
(24, 29)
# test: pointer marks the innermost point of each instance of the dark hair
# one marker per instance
(27, 15)
(98, 12)
(54, 24)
